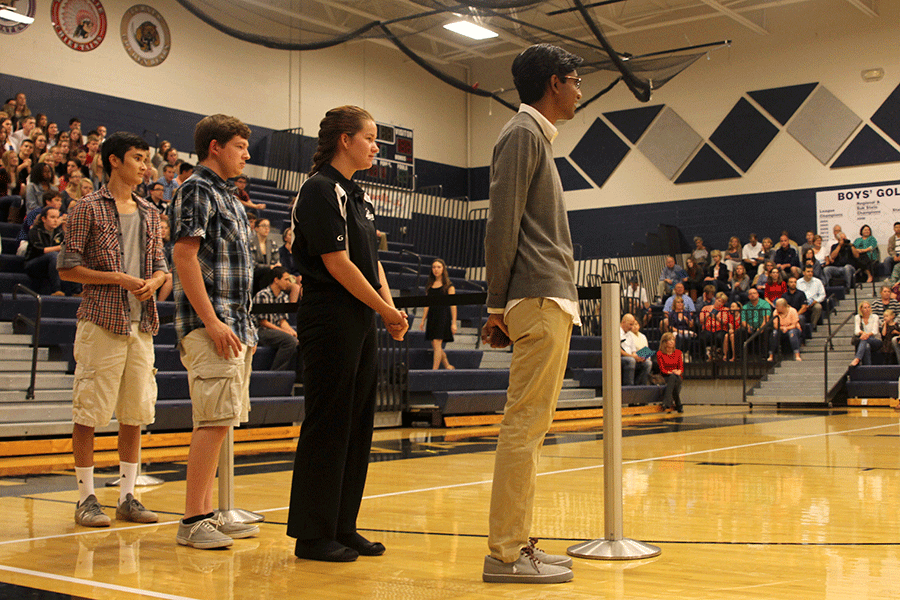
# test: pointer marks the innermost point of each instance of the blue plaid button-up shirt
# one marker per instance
(205, 207)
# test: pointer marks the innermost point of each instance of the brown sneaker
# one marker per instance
(89, 513)
(132, 510)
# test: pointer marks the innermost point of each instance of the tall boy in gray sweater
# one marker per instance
(532, 299)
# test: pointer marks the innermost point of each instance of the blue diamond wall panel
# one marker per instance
(599, 152)
(867, 148)
(783, 102)
(887, 117)
(707, 166)
(634, 122)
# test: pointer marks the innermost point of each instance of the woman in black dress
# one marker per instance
(344, 286)
(441, 324)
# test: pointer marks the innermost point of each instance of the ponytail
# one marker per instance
(337, 121)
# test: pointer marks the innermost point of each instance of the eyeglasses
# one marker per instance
(577, 80)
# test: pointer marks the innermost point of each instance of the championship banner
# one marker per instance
(851, 208)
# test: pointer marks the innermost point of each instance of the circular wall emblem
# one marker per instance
(23, 7)
(80, 24)
(145, 35)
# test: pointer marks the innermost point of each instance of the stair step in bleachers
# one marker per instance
(37, 411)
(22, 352)
(8, 281)
(43, 381)
(25, 365)
(458, 380)
(61, 395)
(873, 381)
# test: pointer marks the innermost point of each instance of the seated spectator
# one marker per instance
(787, 326)
(285, 257)
(732, 255)
(695, 276)
(786, 258)
(5, 144)
(680, 322)
(762, 277)
(51, 199)
(843, 259)
(885, 302)
(868, 252)
(101, 133)
(636, 301)
(20, 108)
(92, 149)
(10, 200)
(892, 250)
(809, 258)
(754, 314)
(171, 157)
(768, 252)
(168, 182)
(265, 251)
(717, 273)
(27, 126)
(700, 253)
(76, 139)
(810, 237)
(796, 299)
(241, 184)
(155, 197)
(41, 182)
(160, 153)
(670, 275)
(98, 176)
(151, 176)
(52, 133)
(775, 286)
(635, 369)
(740, 283)
(274, 328)
(44, 243)
(87, 187)
(252, 218)
(671, 367)
(640, 340)
(23, 171)
(166, 233)
(717, 328)
(40, 146)
(678, 292)
(866, 332)
(185, 170)
(814, 291)
(890, 329)
(708, 297)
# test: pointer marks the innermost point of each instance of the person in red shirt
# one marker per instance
(775, 286)
(717, 323)
(671, 366)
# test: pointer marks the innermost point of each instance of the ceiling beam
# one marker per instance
(865, 7)
(714, 4)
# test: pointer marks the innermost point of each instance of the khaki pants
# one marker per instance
(541, 331)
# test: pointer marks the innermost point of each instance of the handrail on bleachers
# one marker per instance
(35, 334)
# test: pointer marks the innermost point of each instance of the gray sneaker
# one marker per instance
(549, 559)
(233, 529)
(202, 534)
(89, 513)
(132, 510)
(527, 569)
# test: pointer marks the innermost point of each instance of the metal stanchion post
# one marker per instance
(226, 486)
(615, 546)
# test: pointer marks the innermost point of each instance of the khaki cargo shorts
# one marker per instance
(220, 387)
(114, 374)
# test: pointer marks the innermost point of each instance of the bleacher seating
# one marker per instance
(873, 381)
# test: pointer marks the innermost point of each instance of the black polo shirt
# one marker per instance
(333, 213)
(797, 299)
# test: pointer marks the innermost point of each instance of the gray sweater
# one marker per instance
(527, 245)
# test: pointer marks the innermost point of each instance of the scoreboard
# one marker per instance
(395, 164)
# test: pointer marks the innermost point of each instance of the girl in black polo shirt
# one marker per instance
(343, 286)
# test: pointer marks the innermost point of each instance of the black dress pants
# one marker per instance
(337, 345)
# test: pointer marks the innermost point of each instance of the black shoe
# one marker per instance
(362, 545)
(324, 550)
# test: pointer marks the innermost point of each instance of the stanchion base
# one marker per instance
(239, 515)
(140, 480)
(624, 549)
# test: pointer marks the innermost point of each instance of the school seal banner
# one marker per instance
(80, 24)
(23, 7)
(145, 35)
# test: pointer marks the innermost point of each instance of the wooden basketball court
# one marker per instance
(744, 504)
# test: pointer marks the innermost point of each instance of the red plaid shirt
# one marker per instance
(92, 240)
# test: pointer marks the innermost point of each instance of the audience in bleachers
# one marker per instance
(241, 184)
(866, 334)
(732, 255)
(868, 252)
(740, 283)
(26, 126)
(694, 283)
(160, 155)
(680, 322)
(717, 328)
(41, 182)
(44, 243)
(786, 257)
(275, 329)
(787, 327)
(635, 368)
(717, 272)
(168, 182)
(814, 291)
(670, 275)
(775, 286)
(671, 367)
(285, 257)
(892, 253)
(185, 170)
(708, 297)
(700, 253)
(890, 330)
(885, 302)
(842, 260)
(679, 292)
(155, 196)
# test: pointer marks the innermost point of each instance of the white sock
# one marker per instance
(127, 476)
(85, 478)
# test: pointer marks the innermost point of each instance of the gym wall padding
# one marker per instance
(823, 124)
(669, 142)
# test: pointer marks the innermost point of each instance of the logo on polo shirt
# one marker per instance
(340, 238)
(369, 214)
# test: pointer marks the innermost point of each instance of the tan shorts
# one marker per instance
(220, 387)
(113, 374)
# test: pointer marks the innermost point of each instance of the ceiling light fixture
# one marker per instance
(9, 13)
(471, 30)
